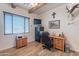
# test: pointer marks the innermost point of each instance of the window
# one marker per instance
(8, 23)
(15, 24)
(18, 24)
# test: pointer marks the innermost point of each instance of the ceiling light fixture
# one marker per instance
(34, 4)
(30, 4)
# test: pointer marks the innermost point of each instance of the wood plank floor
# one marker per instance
(35, 49)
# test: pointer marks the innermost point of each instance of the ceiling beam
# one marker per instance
(39, 5)
(12, 5)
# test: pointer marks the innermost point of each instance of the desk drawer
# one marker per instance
(58, 41)
(58, 46)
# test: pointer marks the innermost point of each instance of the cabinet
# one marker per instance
(58, 43)
(38, 30)
(20, 42)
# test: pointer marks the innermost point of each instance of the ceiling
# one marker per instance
(23, 5)
(46, 7)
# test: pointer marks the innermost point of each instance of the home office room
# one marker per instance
(39, 29)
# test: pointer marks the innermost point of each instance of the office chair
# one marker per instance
(46, 40)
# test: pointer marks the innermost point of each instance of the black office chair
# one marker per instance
(46, 40)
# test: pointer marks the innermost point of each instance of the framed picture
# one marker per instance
(55, 24)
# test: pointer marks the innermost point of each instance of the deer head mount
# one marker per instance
(72, 9)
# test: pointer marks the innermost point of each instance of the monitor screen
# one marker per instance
(37, 21)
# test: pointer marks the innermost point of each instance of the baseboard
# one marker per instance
(12, 46)
(6, 48)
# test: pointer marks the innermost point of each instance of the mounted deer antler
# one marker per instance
(72, 9)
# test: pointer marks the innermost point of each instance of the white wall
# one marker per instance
(71, 31)
(8, 41)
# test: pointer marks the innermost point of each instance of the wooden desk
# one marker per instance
(58, 42)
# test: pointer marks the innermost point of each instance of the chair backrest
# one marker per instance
(45, 37)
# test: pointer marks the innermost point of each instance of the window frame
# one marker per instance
(12, 23)
(28, 26)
